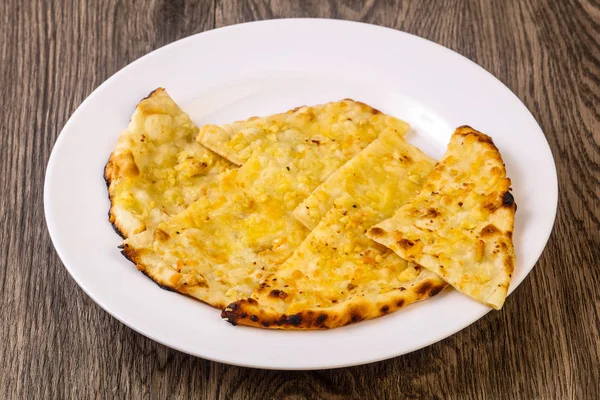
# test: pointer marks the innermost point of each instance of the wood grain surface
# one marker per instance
(55, 342)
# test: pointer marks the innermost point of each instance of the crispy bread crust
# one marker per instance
(501, 209)
(249, 311)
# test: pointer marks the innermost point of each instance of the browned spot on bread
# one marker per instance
(278, 293)
(405, 243)
(161, 235)
(432, 213)
(510, 263)
(376, 231)
(252, 302)
(400, 303)
(423, 288)
(351, 286)
(489, 230)
(385, 309)
(435, 290)
(356, 317)
(295, 319)
(405, 159)
(253, 318)
(321, 319)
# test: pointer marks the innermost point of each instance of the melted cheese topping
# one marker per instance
(344, 125)
(241, 229)
(157, 168)
(460, 224)
(337, 262)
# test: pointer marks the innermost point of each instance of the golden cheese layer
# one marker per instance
(344, 125)
(338, 275)
(241, 229)
(157, 168)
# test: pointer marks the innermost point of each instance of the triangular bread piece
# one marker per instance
(157, 168)
(337, 275)
(242, 228)
(342, 125)
(460, 225)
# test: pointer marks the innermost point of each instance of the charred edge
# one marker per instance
(152, 93)
(228, 314)
(400, 303)
(436, 290)
(159, 285)
(116, 228)
(295, 319)
(466, 130)
(126, 255)
(106, 174)
(108, 180)
(253, 318)
(508, 199)
(321, 320)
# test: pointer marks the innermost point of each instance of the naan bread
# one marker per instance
(460, 224)
(242, 228)
(343, 125)
(338, 275)
(157, 168)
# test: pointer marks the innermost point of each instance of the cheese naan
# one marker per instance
(157, 168)
(338, 275)
(460, 225)
(242, 228)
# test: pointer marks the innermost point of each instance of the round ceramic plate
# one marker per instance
(265, 67)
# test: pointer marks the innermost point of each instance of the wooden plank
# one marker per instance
(55, 342)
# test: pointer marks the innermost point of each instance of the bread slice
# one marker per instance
(157, 168)
(460, 224)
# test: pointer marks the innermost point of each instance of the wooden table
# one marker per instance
(56, 342)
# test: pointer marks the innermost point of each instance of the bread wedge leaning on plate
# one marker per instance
(460, 225)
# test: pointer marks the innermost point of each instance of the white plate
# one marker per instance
(265, 67)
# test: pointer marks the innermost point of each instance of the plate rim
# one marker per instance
(51, 225)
